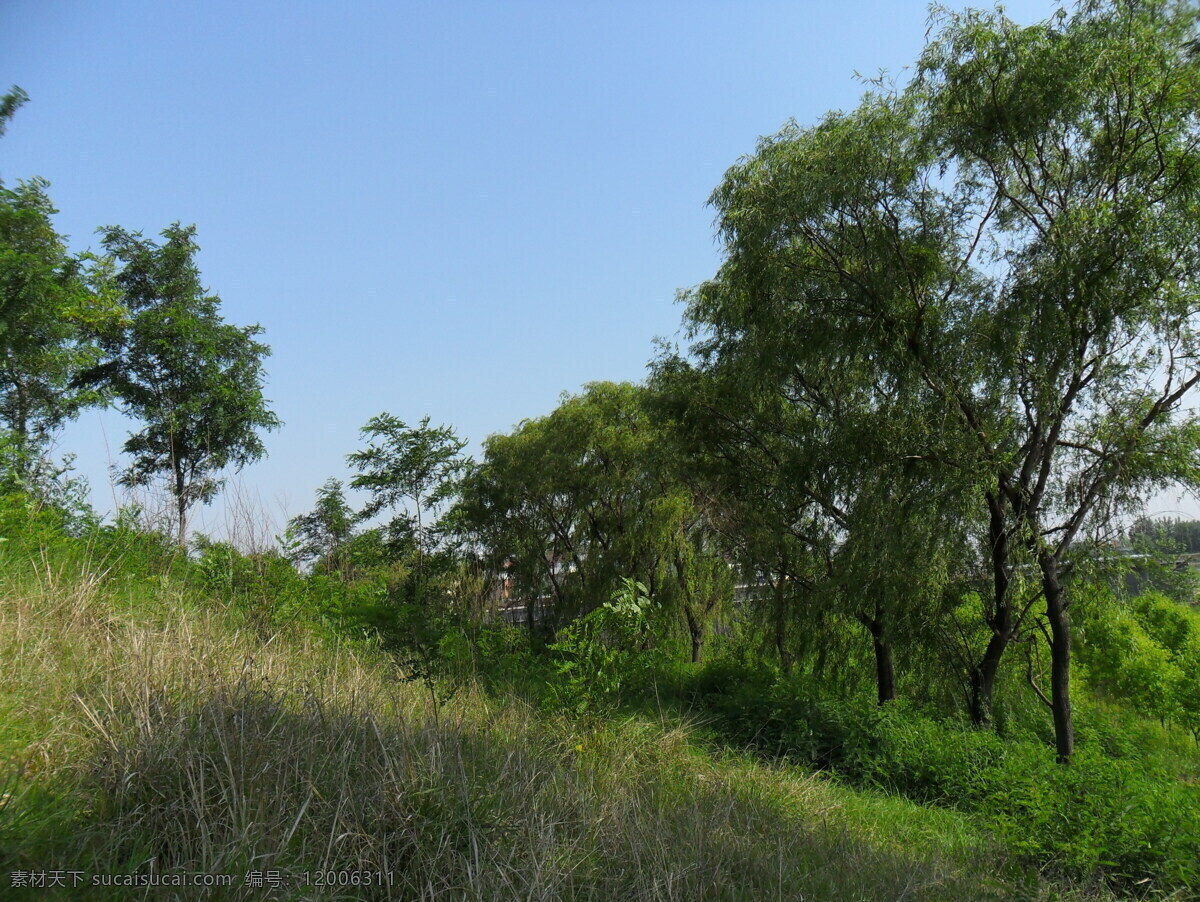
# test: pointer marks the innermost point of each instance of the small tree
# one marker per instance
(194, 380)
(404, 464)
(606, 650)
(319, 536)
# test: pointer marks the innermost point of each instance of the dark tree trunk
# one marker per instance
(181, 504)
(696, 619)
(781, 644)
(1060, 659)
(885, 672)
(885, 669)
(983, 674)
(697, 641)
(983, 677)
(695, 625)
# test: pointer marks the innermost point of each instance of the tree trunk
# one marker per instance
(21, 429)
(1060, 659)
(181, 505)
(983, 678)
(781, 645)
(983, 674)
(696, 630)
(885, 669)
(885, 672)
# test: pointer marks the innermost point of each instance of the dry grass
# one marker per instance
(166, 740)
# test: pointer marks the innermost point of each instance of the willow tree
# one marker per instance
(572, 503)
(813, 498)
(1006, 250)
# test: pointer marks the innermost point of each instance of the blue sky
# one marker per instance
(452, 209)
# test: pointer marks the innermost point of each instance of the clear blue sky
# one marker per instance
(452, 209)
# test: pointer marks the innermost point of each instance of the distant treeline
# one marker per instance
(1166, 534)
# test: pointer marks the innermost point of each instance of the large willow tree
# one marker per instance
(1000, 260)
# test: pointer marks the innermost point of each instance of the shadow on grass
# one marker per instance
(489, 803)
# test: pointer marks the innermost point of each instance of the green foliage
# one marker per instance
(1145, 652)
(752, 706)
(607, 652)
(564, 499)
(981, 286)
(420, 464)
(1155, 564)
(1187, 689)
(1172, 532)
(1171, 625)
(955, 331)
(49, 315)
(1124, 817)
(1127, 819)
(1101, 815)
(264, 587)
(506, 664)
(427, 648)
(46, 313)
(194, 380)
(570, 503)
(38, 479)
(28, 527)
(320, 537)
(175, 736)
(9, 104)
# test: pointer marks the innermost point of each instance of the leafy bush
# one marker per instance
(264, 587)
(1123, 818)
(753, 707)
(1146, 652)
(504, 661)
(608, 651)
(1166, 621)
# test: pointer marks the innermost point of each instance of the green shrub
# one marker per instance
(1124, 819)
(504, 661)
(1169, 623)
(947, 763)
(1135, 825)
(264, 588)
(608, 652)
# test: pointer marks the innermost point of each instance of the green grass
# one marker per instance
(146, 728)
(1125, 813)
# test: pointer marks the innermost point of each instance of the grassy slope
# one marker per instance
(143, 728)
